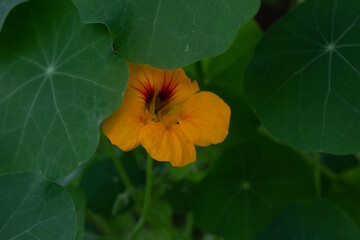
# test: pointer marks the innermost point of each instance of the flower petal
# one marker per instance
(204, 119)
(144, 79)
(123, 126)
(167, 144)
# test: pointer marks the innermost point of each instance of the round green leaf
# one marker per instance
(169, 34)
(5, 8)
(59, 80)
(312, 220)
(250, 185)
(35, 208)
(304, 78)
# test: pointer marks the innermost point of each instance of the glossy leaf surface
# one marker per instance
(169, 34)
(59, 80)
(304, 79)
(35, 208)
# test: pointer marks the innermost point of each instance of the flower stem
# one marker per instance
(328, 173)
(188, 225)
(119, 167)
(324, 170)
(146, 205)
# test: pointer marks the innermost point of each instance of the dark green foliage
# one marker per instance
(311, 220)
(59, 80)
(79, 201)
(304, 78)
(169, 34)
(102, 184)
(248, 188)
(63, 71)
(5, 8)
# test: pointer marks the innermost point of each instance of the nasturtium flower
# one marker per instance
(167, 114)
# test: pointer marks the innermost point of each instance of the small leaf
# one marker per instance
(59, 80)
(5, 8)
(35, 208)
(311, 220)
(249, 186)
(304, 78)
(169, 34)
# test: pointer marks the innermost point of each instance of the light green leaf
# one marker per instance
(59, 79)
(5, 8)
(34, 208)
(304, 79)
(311, 220)
(169, 34)
(249, 186)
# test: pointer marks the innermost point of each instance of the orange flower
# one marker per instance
(163, 111)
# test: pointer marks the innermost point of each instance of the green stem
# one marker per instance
(188, 227)
(146, 205)
(323, 169)
(328, 173)
(317, 175)
(119, 167)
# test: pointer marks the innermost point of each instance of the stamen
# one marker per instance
(157, 102)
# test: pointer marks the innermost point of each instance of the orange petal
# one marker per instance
(167, 144)
(144, 78)
(123, 126)
(204, 119)
(185, 87)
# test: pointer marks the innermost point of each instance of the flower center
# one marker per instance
(158, 102)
